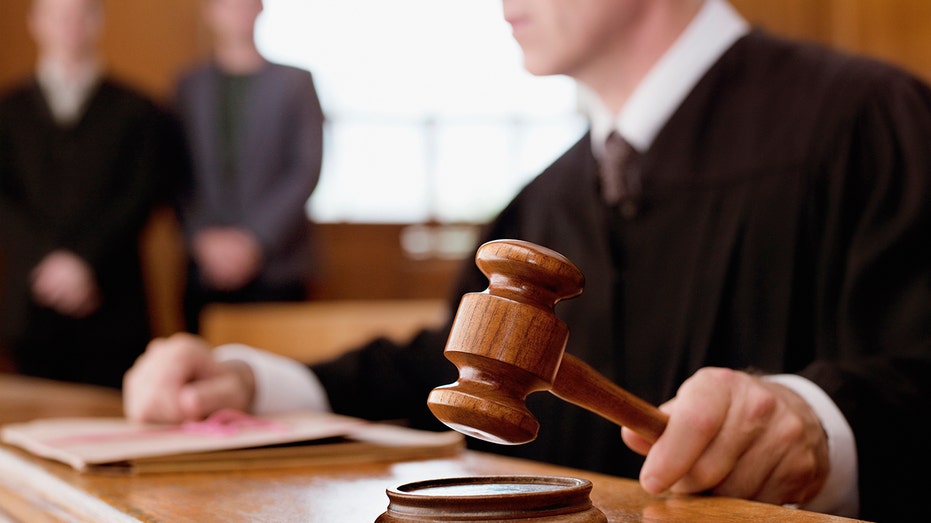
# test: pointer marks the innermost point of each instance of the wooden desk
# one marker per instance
(36, 490)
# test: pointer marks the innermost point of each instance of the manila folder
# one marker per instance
(227, 440)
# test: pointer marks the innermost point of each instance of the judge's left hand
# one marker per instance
(736, 435)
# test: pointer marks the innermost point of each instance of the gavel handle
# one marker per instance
(578, 383)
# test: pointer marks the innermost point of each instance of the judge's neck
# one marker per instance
(238, 57)
(615, 73)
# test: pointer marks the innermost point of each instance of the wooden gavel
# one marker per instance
(507, 343)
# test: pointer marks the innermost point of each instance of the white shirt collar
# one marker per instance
(715, 28)
(67, 92)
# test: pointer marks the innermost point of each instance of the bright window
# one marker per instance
(430, 114)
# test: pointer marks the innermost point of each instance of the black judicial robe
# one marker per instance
(783, 227)
(87, 188)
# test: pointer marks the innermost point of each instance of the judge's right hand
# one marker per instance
(177, 379)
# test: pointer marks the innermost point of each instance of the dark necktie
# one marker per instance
(620, 180)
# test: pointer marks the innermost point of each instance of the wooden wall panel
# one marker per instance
(17, 54)
(366, 261)
(898, 31)
(150, 41)
(805, 19)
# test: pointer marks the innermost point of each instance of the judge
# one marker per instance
(759, 266)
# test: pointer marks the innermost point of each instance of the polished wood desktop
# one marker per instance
(34, 489)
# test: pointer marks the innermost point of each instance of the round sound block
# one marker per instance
(493, 499)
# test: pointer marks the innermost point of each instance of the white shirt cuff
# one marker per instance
(281, 384)
(840, 494)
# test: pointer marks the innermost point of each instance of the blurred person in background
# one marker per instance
(81, 158)
(255, 133)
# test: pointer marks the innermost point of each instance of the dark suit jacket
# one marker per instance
(280, 147)
(783, 227)
(87, 188)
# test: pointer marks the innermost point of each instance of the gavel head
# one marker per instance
(506, 342)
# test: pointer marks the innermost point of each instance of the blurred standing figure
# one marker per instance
(79, 157)
(255, 130)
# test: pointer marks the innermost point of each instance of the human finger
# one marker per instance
(696, 417)
(231, 385)
(789, 462)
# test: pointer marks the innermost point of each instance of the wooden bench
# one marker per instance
(319, 330)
